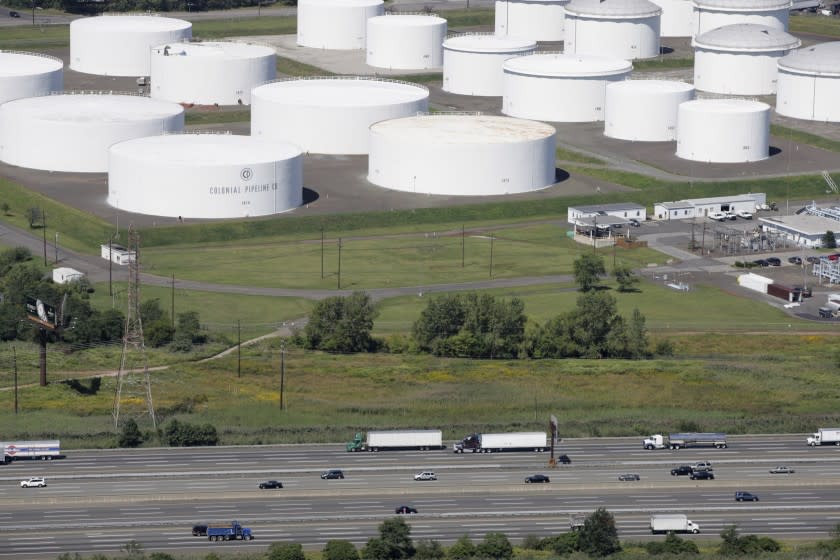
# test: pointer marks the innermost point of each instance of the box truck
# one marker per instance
(672, 523)
(513, 441)
(678, 441)
(397, 439)
(825, 436)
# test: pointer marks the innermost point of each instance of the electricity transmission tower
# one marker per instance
(129, 387)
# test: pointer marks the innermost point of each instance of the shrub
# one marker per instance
(495, 545)
(531, 542)
(462, 549)
(429, 550)
(285, 551)
(130, 435)
(561, 544)
(340, 550)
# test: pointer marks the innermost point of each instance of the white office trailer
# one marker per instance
(677, 17)
(711, 14)
(221, 73)
(462, 155)
(723, 130)
(809, 83)
(540, 20)
(559, 87)
(333, 114)
(205, 176)
(25, 74)
(405, 41)
(627, 29)
(472, 63)
(740, 59)
(121, 45)
(73, 131)
(644, 110)
(335, 24)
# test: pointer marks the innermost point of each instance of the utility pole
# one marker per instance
(14, 363)
(238, 348)
(44, 222)
(282, 373)
(339, 264)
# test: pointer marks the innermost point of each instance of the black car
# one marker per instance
(536, 478)
(564, 459)
(795, 260)
(681, 470)
(627, 477)
(812, 259)
(702, 475)
(761, 262)
(745, 497)
(332, 474)
(635, 223)
(268, 484)
(774, 261)
(14, 14)
(405, 509)
(199, 530)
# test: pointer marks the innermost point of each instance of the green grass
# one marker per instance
(34, 38)
(816, 24)
(565, 154)
(802, 137)
(243, 26)
(662, 63)
(419, 78)
(289, 67)
(474, 17)
(198, 117)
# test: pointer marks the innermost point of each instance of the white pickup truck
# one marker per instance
(719, 216)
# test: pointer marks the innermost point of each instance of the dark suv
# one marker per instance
(269, 484)
(332, 474)
(681, 470)
(745, 497)
(702, 475)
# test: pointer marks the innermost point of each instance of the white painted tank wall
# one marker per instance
(331, 115)
(707, 18)
(677, 17)
(540, 20)
(558, 87)
(628, 39)
(205, 176)
(335, 24)
(809, 83)
(472, 64)
(736, 73)
(462, 155)
(723, 130)
(121, 45)
(212, 72)
(73, 132)
(406, 42)
(644, 110)
(24, 74)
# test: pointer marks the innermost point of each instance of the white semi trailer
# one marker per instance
(397, 439)
(44, 449)
(512, 441)
(672, 523)
(825, 436)
(680, 440)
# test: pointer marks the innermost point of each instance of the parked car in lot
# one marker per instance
(812, 259)
(761, 262)
(730, 215)
(628, 477)
(702, 475)
(269, 484)
(536, 479)
(635, 223)
(745, 497)
(781, 469)
(744, 214)
(682, 470)
(425, 475)
(795, 260)
(332, 474)
(833, 256)
(199, 530)
(774, 261)
(34, 482)
(719, 216)
(405, 509)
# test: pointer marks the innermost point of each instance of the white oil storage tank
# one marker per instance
(540, 20)
(627, 29)
(221, 73)
(711, 14)
(462, 155)
(335, 24)
(406, 41)
(472, 63)
(120, 45)
(559, 87)
(331, 114)
(809, 83)
(723, 130)
(25, 74)
(73, 131)
(740, 59)
(644, 110)
(677, 16)
(205, 176)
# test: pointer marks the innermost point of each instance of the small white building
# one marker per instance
(803, 229)
(607, 214)
(754, 282)
(702, 207)
(65, 275)
(117, 254)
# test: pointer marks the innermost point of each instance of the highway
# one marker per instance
(96, 501)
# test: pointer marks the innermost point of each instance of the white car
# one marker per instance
(719, 216)
(425, 475)
(744, 214)
(34, 482)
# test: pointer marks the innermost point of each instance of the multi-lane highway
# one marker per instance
(97, 501)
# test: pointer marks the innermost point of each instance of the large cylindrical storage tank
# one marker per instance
(73, 131)
(335, 24)
(25, 74)
(472, 63)
(210, 73)
(121, 45)
(333, 114)
(205, 176)
(644, 110)
(711, 14)
(559, 87)
(540, 20)
(406, 41)
(809, 83)
(462, 155)
(677, 16)
(723, 130)
(627, 29)
(740, 59)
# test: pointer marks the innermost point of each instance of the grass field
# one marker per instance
(194, 117)
(816, 24)
(802, 137)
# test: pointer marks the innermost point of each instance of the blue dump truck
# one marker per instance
(230, 532)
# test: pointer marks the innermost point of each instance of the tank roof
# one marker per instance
(343, 3)
(15, 63)
(749, 37)
(722, 106)
(613, 8)
(334, 91)
(136, 23)
(407, 20)
(228, 50)
(652, 86)
(465, 129)
(206, 149)
(744, 5)
(567, 65)
(93, 107)
(822, 59)
(489, 43)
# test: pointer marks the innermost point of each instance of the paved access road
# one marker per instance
(96, 501)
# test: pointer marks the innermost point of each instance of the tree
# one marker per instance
(158, 333)
(462, 549)
(561, 544)
(495, 545)
(672, 545)
(339, 550)
(441, 319)
(589, 267)
(429, 550)
(285, 551)
(828, 240)
(151, 311)
(5, 208)
(599, 537)
(341, 324)
(749, 545)
(637, 341)
(130, 435)
(625, 277)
